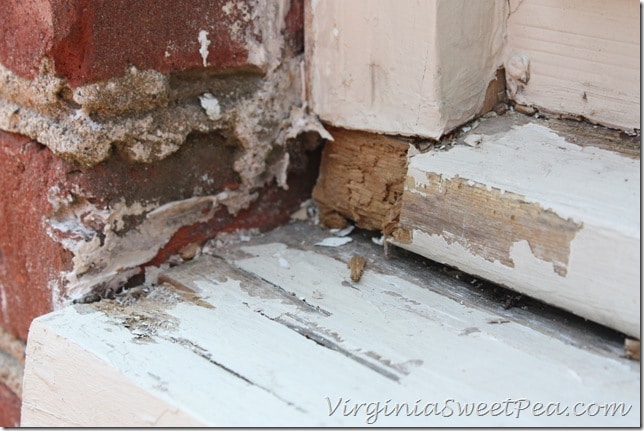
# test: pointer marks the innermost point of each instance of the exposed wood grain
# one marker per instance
(495, 93)
(528, 209)
(488, 221)
(361, 178)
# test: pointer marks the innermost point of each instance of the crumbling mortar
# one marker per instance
(147, 116)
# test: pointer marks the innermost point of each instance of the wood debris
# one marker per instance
(632, 348)
(357, 264)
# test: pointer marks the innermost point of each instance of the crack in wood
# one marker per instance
(281, 293)
(205, 354)
(325, 342)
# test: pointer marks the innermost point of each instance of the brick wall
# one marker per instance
(132, 130)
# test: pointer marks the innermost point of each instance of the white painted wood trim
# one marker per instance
(398, 67)
(594, 189)
(282, 335)
(421, 68)
(583, 58)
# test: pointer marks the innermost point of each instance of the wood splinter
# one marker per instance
(356, 264)
(632, 348)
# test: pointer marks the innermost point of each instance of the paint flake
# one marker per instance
(211, 105)
(334, 241)
(204, 43)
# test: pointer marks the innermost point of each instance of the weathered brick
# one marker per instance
(47, 204)
(89, 41)
(29, 259)
(272, 208)
(294, 27)
(82, 212)
(9, 407)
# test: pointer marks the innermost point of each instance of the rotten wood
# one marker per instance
(361, 178)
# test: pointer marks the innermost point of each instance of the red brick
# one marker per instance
(294, 27)
(9, 407)
(30, 260)
(273, 208)
(93, 40)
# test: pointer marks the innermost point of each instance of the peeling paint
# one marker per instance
(533, 212)
(491, 222)
(105, 256)
(211, 105)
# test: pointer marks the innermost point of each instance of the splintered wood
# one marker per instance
(632, 348)
(361, 178)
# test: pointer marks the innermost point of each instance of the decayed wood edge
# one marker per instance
(495, 96)
(361, 179)
(487, 221)
(362, 174)
(448, 208)
(632, 349)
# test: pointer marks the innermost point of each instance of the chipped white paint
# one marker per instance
(211, 105)
(586, 185)
(244, 355)
(534, 161)
(592, 287)
(584, 57)
(399, 67)
(334, 241)
(204, 43)
(343, 232)
(106, 258)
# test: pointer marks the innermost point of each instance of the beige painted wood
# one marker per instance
(421, 68)
(583, 57)
(521, 206)
(277, 335)
(403, 67)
